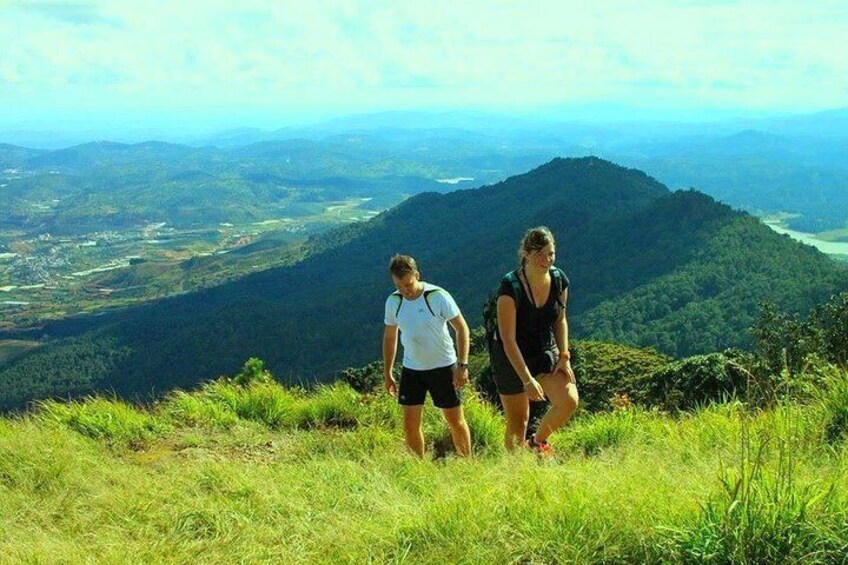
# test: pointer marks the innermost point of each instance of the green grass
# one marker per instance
(265, 474)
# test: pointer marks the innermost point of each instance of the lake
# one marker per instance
(829, 247)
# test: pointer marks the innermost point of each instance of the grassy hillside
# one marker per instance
(262, 473)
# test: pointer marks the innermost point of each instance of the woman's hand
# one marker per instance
(564, 366)
(534, 390)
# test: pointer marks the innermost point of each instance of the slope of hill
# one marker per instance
(264, 474)
(675, 270)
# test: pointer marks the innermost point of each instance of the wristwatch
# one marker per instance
(462, 365)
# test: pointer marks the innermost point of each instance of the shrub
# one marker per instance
(693, 382)
(253, 371)
(363, 379)
(605, 369)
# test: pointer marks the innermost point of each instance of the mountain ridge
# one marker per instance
(619, 232)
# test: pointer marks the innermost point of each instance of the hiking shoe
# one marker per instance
(542, 448)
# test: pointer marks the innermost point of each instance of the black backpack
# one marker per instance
(490, 308)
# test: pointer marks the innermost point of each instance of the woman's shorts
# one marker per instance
(506, 379)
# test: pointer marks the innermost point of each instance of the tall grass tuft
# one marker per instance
(198, 409)
(111, 420)
(336, 405)
(833, 399)
(265, 402)
(591, 434)
(763, 513)
(486, 424)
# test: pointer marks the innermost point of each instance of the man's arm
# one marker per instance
(390, 338)
(460, 375)
(463, 342)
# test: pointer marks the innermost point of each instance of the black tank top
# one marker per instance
(534, 327)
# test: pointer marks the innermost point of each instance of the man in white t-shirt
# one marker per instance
(422, 311)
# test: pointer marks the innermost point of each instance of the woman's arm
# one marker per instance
(561, 337)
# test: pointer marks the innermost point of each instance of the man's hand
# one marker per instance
(391, 385)
(460, 377)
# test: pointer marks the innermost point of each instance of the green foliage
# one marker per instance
(594, 433)
(112, 420)
(264, 402)
(363, 379)
(605, 369)
(831, 321)
(336, 405)
(788, 344)
(693, 382)
(253, 372)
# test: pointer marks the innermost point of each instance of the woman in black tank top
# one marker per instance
(534, 331)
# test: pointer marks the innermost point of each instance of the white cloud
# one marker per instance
(349, 55)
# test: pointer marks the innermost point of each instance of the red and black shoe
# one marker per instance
(541, 448)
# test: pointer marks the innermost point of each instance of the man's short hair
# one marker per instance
(402, 265)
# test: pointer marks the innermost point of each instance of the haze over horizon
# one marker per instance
(99, 66)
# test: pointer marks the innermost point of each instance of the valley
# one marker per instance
(49, 276)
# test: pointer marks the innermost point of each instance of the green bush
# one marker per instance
(253, 371)
(606, 369)
(693, 382)
(363, 379)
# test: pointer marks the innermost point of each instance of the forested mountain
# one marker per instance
(647, 266)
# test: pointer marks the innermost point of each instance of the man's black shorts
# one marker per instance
(415, 384)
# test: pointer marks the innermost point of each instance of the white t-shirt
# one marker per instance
(424, 334)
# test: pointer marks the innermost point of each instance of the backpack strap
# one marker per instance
(558, 278)
(427, 294)
(512, 276)
(399, 297)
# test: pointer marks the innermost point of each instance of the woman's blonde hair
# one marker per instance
(534, 240)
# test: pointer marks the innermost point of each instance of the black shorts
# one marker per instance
(506, 379)
(415, 384)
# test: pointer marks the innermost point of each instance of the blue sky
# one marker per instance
(226, 63)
